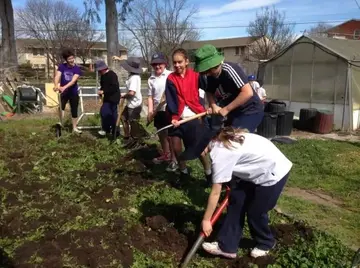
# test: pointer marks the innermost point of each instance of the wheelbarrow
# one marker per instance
(201, 237)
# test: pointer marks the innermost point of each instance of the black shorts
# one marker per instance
(74, 103)
(131, 114)
(188, 132)
(162, 119)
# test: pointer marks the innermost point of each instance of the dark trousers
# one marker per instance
(255, 202)
(109, 114)
(249, 122)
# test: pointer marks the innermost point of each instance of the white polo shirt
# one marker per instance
(157, 87)
(134, 84)
(258, 89)
(257, 160)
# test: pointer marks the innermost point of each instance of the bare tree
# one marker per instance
(52, 23)
(85, 37)
(161, 25)
(271, 33)
(112, 16)
(320, 30)
(129, 42)
(8, 56)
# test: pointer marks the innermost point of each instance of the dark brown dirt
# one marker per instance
(16, 155)
(157, 222)
(104, 166)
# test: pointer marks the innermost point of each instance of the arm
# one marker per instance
(150, 98)
(212, 201)
(57, 79)
(246, 92)
(133, 87)
(237, 75)
(172, 100)
(72, 82)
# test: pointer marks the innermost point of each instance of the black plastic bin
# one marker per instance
(275, 106)
(284, 123)
(28, 94)
(267, 127)
(307, 118)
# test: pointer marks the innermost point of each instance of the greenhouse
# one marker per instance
(317, 72)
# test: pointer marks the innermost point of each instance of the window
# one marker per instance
(357, 34)
(237, 51)
(38, 51)
(242, 50)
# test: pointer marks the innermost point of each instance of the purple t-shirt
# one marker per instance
(67, 74)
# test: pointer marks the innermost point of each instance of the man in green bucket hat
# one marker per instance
(228, 91)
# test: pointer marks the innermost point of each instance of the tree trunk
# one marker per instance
(8, 55)
(112, 35)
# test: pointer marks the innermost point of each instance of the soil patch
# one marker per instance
(313, 196)
(96, 247)
(16, 155)
(104, 166)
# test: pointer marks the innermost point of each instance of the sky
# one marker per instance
(229, 18)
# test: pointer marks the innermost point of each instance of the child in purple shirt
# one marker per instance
(67, 75)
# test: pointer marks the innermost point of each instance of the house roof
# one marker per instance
(220, 43)
(344, 48)
(341, 24)
(27, 42)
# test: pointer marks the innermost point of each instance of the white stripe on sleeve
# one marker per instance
(234, 75)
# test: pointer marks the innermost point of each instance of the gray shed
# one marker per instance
(317, 72)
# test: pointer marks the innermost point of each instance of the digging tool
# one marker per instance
(182, 121)
(356, 260)
(59, 125)
(121, 109)
(201, 237)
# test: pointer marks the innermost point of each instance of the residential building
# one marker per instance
(32, 51)
(236, 50)
(347, 30)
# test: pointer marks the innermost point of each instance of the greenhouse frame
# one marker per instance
(317, 72)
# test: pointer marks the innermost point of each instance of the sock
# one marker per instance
(184, 171)
(207, 171)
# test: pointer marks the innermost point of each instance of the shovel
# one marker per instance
(58, 126)
(201, 237)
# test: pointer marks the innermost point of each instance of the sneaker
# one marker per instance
(172, 167)
(102, 133)
(214, 249)
(76, 130)
(166, 157)
(256, 253)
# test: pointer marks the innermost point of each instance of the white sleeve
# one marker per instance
(263, 92)
(150, 88)
(223, 163)
(134, 83)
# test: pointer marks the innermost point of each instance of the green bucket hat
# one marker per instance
(207, 57)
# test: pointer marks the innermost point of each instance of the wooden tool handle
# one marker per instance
(192, 118)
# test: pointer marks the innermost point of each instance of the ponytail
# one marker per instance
(230, 134)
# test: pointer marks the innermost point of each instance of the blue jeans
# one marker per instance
(255, 202)
(109, 115)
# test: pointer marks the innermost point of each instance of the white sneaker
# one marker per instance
(213, 248)
(76, 130)
(102, 133)
(172, 167)
(256, 253)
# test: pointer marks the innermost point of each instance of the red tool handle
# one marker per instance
(219, 210)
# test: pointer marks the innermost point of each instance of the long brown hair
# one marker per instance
(228, 134)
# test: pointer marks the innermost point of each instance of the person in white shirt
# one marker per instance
(133, 107)
(256, 171)
(157, 105)
(258, 89)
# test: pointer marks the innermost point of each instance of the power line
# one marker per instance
(179, 28)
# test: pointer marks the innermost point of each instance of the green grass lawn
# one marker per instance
(78, 201)
(332, 168)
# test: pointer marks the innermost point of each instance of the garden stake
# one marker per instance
(201, 237)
